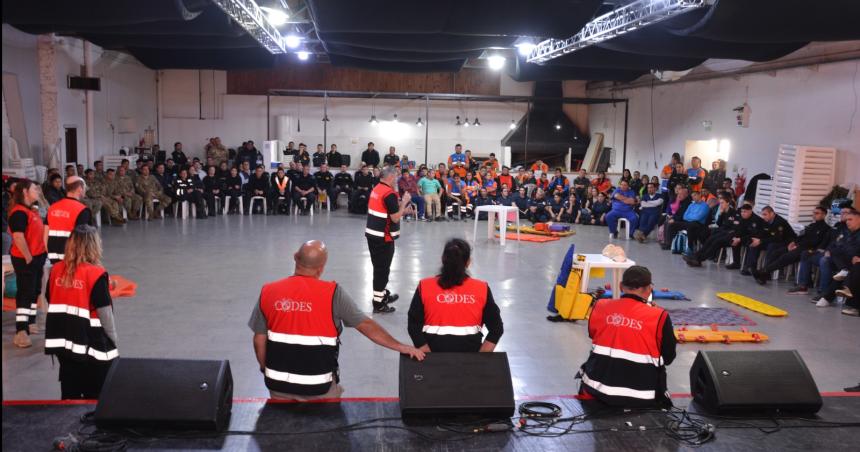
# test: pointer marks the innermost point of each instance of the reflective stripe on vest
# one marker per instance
(298, 379)
(75, 311)
(379, 224)
(62, 217)
(298, 339)
(81, 349)
(34, 235)
(617, 391)
(54, 233)
(629, 356)
(456, 311)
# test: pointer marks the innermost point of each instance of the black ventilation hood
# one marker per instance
(546, 132)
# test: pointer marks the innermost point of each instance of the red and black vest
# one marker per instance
(302, 343)
(379, 224)
(625, 366)
(72, 327)
(453, 317)
(34, 234)
(62, 217)
(506, 180)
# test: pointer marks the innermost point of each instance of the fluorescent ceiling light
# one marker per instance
(292, 41)
(275, 16)
(303, 55)
(496, 62)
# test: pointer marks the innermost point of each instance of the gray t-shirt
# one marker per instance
(343, 309)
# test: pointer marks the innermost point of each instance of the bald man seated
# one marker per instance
(297, 324)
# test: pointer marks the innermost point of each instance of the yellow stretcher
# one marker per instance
(752, 305)
(531, 230)
(683, 335)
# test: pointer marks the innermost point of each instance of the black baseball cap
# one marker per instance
(636, 277)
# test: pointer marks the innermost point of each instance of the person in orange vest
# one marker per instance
(632, 343)
(28, 254)
(297, 324)
(449, 310)
(384, 211)
(80, 329)
(64, 215)
(696, 174)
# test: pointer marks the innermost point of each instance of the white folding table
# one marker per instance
(502, 213)
(601, 261)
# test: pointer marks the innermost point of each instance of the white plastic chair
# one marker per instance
(255, 199)
(626, 224)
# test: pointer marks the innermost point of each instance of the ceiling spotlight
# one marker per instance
(476, 123)
(292, 41)
(525, 48)
(275, 17)
(466, 122)
(557, 126)
(419, 123)
(513, 125)
(373, 120)
(395, 118)
(496, 62)
(458, 121)
(303, 55)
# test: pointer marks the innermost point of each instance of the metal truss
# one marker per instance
(617, 22)
(248, 15)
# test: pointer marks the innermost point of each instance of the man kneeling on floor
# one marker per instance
(632, 343)
(297, 324)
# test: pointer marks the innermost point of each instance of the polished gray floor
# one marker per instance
(198, 281)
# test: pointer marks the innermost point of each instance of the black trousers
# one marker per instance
(717, 241)
(381, 255)
(854, 286)
(304, 202)
(337, 190)
(276, 199)
(29, 280)
(781, 257)
(194, 197)
(82, 379)
(248, 205)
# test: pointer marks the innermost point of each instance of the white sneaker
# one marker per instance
(841, 275)
(822, 303)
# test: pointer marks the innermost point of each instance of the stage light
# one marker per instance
(466, 122)
(557, 126)
(275, 17)
(513, 125)
(303, 55)
(292, 41)
(373, 120)
(476, 123)
(496, 62)
(525, 48)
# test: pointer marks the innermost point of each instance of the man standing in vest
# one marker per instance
(297, 324)
(632, 343)
(64, 215)
(384, 210)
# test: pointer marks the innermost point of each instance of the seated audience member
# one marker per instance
(834, 264)
(363, 186)
(121, 190)
(538, 212)
(408, 185)
(472, 187)
(675, 211)
(280, 197)
(599, 209)
(342, 184)
(304, 191)
(773, 239)
(570, 209)
(852, 301)
(696, 174)
(245, 174)
(54, 190)
(404, 162)
(324, 179)
(556, 207)
(643, 186)
(291, 307)
(334, 158)
(375, 172)
(430, 189)
(601, 183)
(98, 200)
(813, 237)
(233, 189)
(559, 184)
(438, 326)
(150, 190)
(293, 169)
(179, 157)
(318, 158)
(543, 182)
(302, 157)
(391, 159)
(506, 179)
(609, 374)
(163, 177)
(636, 183)
(223, 170)
(489, 184)
(505, 198)
(184, 190)
(540, 166)
(521, 200)
(813, 259)
(626, 176)
(727, 188)
(212, 189)
(492, 164)
(650, 209)
(714, 179)
(456, 198)
(678, 178)
(734, 231)
(472, 165)
(483, 199)
(70, 171)
(585, 206)
(623, 201)
(581, 184)
(695, 216)
(257, 186)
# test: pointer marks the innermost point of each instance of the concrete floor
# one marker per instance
(198, 281)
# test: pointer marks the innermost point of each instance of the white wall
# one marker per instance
(809, 105)
(127, 91)
(243, 118)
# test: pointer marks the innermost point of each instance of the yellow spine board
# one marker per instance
(752, 305)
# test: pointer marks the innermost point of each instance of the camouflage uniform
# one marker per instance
(149, 188)
(218, 153)
(124, 186)
(97, 190)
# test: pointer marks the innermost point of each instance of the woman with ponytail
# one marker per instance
(79, 329)
(450, 310)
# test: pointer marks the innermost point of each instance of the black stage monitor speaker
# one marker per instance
(447, 385)
(166, 393)
(753, 381)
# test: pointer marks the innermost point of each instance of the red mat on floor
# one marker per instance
(530, 237)
(122, 287)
